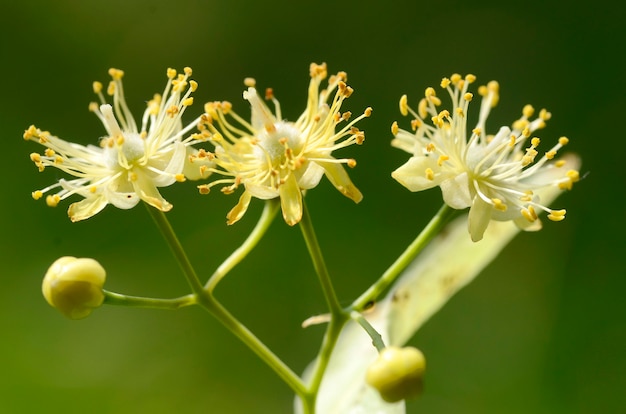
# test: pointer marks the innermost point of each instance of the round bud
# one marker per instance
(74, 286)
(398, 373)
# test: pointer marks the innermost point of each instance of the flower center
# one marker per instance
(278, 143)
(124, 152)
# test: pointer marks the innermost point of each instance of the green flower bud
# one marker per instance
(398, 373)
(74, 286)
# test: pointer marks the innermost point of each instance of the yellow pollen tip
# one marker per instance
(35, 157)
(512, 141)
(557, 215)
(120, 140)
(188, 71)
(563, 140)
(53, 200)
(559, 163)
(204, 189)
(30, 132)
(180, 177)
(351, 163)
(422, 108)
(498, 204)
(171, 73)
(368, 111)
(116, 74)
(429, 173)
(529, 214)
(469, 78)
(37, 194)
(528, 111)
(430, 147)
(476, 131)
(111, 88)
(468, 96)
(249, 82)
(394, 128)
(535, 141)
(455, 78)
(429, 92)
(445, 82)
(442, 159)
(188, 102)
(193, 85)
(93, 107)
(550, 154)
(97, 87)
(545, 115)
(573, 175)
(482, 90)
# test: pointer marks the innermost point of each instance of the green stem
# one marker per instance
(112, 298)
(318, 262)
(208, 301)
(259, 348)
(333, 330)
(269, 212)
(435, 225)
(377, 340)
(172, 241)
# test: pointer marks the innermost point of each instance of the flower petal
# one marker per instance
(240, 209)
(86, 208)
(414, 174)
(479, 217)
(311, 176)
(147, 191)
(338, 176)
(456, 193)
(291, 200)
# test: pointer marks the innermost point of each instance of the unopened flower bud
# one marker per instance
(398, 373)
(74, 286)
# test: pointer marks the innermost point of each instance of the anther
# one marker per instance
(429, 174)
(116, 74)
(53, 200)
(403, 105)
(394, 128)
(557, 215)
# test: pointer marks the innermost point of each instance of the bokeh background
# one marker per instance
(542, 330)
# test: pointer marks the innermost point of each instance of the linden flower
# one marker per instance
(272, 157)
(130, 163)
(495, 175)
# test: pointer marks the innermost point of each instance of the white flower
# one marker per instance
(495, 175)
(130, 163)
(272, 157)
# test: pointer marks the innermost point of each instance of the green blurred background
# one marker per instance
(542, 330)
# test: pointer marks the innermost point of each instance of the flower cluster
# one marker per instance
(497, 176)
(130, 162)
(272, 157)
